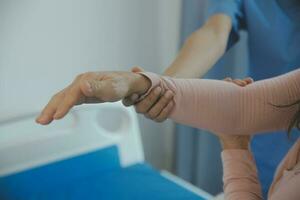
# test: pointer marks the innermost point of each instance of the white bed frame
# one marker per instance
(25, 144)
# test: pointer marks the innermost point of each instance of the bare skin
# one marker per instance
(93, 87)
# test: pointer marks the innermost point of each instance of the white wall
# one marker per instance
(44, 44)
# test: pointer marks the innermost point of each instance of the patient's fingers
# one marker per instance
(80, 91)
(46, 115)
(71, 98)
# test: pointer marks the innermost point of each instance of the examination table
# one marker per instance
(94, 153)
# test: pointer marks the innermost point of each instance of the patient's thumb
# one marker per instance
(130, 100)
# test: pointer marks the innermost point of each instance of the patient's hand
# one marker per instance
(93, 87)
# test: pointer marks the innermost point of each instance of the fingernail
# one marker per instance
(42, 119)
(157, 90)
(37, 120)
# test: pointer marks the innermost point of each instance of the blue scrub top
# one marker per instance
(274, 48)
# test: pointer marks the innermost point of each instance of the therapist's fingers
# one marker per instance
(137, 69)
(228, 79)
(243, 82)
(156, 109)
(248, 80)
(240, 82)
(144, 105)
(164, 114)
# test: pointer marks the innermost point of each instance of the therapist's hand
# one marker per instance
(234, 141)
(158, 105)
(240, 82)
(93, 87)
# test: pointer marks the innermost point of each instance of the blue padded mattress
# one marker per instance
(95, 175)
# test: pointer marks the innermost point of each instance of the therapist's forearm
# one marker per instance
(202, 49)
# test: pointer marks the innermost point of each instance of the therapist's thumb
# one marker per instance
(137, 69)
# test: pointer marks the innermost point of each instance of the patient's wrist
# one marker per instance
(140, 84)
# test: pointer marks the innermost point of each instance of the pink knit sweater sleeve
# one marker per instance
(240, 176)
(226, 108)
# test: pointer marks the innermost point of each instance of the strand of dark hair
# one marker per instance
(295, 121)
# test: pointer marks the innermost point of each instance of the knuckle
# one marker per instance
(82, 84)
(165, 112)
(153, 96)
(144, 105)
(163, 100)
(168, 96)
(84, 76)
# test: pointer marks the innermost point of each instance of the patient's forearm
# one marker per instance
(202, 49)
(229, 109)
